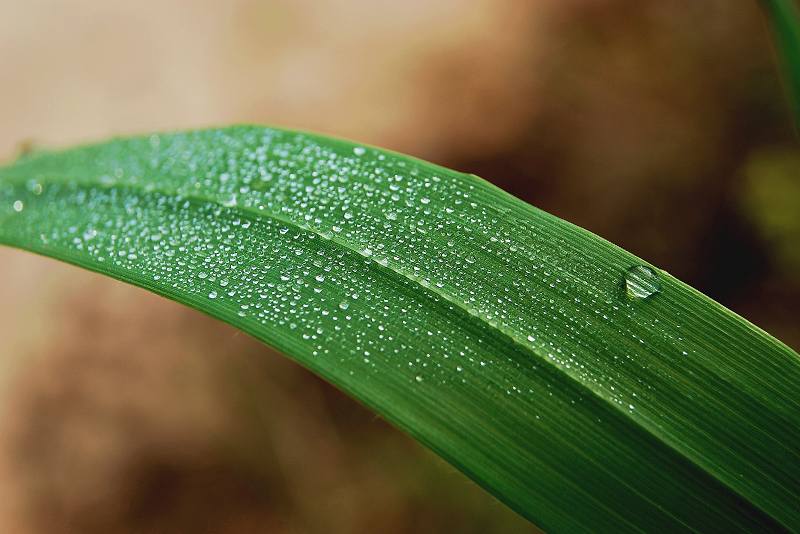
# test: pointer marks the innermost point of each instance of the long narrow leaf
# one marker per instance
(783, 16)
(587, 389)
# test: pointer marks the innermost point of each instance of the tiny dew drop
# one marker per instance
(18, 206)
(212, 295)
(359, 151)
(641, 282)
(344, 305)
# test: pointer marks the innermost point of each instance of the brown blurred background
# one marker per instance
(660, 125)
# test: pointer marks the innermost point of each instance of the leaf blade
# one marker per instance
(783, 18)
(552, 331)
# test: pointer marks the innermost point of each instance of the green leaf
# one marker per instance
(783, 17)
(585, 388)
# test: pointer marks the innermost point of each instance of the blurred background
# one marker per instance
(660, 125)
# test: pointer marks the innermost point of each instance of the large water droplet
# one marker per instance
(641, 282)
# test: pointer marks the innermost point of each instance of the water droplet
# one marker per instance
(641, 282)
(392, 216)
(212, 295)
(418, 378)
(18, 206)
(359, 151)
(344, 305)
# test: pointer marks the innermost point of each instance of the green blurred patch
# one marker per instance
(770, 198)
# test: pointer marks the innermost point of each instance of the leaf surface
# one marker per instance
(585, 388)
